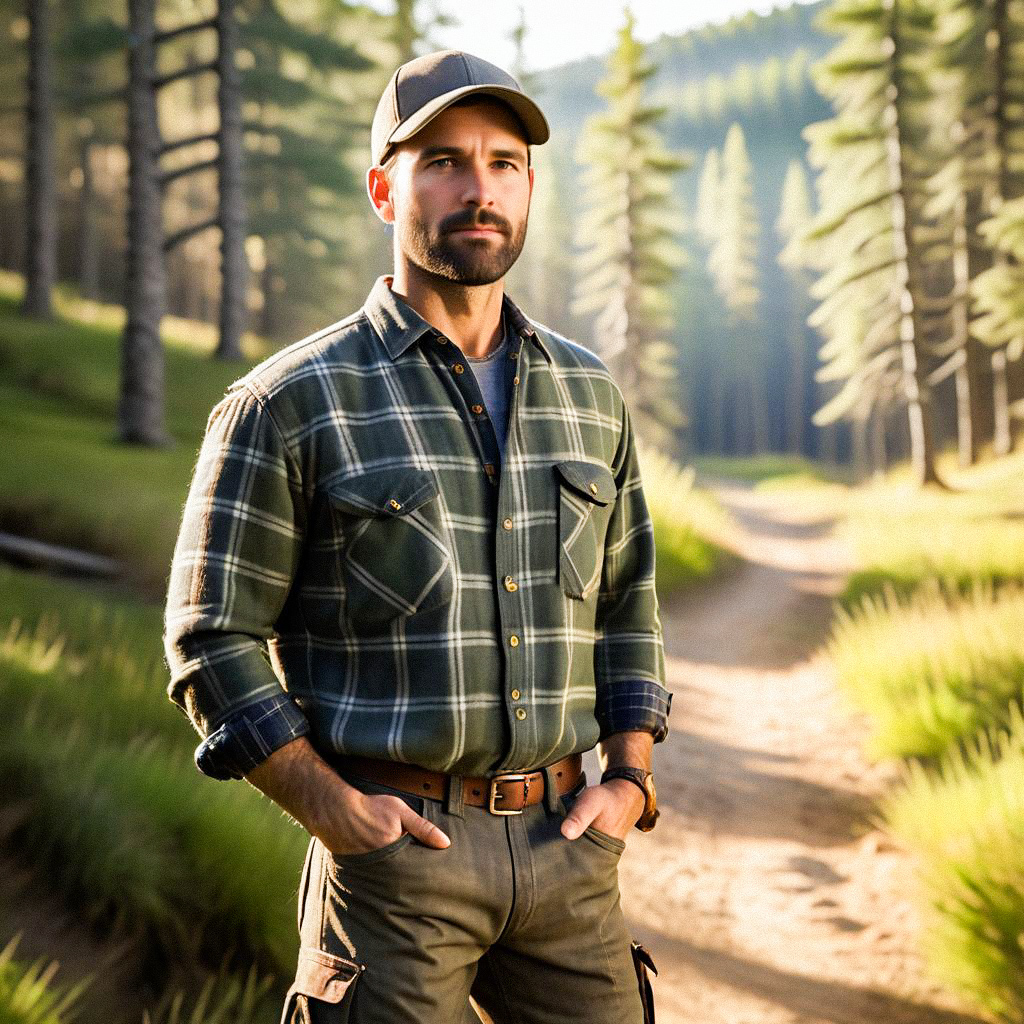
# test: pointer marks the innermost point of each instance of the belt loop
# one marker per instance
(453, 798)
(552, 801)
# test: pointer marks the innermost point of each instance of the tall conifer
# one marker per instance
(873, 149)
(628, 232)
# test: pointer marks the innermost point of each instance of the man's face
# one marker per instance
(459, 194)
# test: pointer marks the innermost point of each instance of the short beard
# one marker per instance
(468, 262)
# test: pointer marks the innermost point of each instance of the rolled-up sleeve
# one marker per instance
(629, 657)
(235, 558)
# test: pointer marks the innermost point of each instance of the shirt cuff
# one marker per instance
(635, 705)
(250, 736)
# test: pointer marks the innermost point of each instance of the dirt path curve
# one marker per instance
(764, 894)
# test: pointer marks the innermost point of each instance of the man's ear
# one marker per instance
(379, 190)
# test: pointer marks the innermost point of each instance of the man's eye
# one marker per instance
(504, 163)
(440, 161)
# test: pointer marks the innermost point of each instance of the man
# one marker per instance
(431, 514)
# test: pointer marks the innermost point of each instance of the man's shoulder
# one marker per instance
(303, 359)
(566, 352)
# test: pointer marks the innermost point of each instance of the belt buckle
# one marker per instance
(495, 795)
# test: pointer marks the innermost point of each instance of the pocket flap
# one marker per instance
(591, 479)
(384, 492)
(323, 975)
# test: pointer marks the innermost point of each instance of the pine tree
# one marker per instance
(872, 153)
(795, 216)
(733, 265)
(628, 232)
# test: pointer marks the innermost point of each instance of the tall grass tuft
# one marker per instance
(27, 992)
(965, 824)
(222, 1000)
(686, 522)
(932, 669)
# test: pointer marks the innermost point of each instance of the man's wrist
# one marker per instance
(302, 783)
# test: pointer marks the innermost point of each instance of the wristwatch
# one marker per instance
(645, 780)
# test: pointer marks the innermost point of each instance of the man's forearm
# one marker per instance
(298, 779)
(631, 748)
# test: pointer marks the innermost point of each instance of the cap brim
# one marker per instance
(536, 124)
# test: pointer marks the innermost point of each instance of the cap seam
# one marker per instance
(469, 73)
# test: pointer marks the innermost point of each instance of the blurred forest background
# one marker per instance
(798, 241)
(807, 176)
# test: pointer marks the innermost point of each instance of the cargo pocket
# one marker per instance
(323, 989)
(586, 496)
(394, 560)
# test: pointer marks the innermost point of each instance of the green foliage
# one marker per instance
(222, 1000)
(684, 519)
(628, 234)
(903, 538)
(27, 995)
(933, 670)
(873, 190)
(964, 824)
(116, 812)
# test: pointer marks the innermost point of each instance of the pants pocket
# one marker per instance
(607, 842)
(396, 845)
(323, 989)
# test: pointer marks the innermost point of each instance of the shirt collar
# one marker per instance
(400, 326)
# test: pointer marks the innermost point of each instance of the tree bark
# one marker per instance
(916, 391)
(88, 238)
(234, 269)
(141, 408)
(40, 167)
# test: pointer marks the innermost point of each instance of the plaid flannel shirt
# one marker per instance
(355, 564)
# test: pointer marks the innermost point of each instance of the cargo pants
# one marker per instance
(512, 912)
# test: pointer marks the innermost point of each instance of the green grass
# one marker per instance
(965, 825)
(774, 468)
(904, 536)
(113, 808)
(933, 670)
(28, 994)
(684, 519)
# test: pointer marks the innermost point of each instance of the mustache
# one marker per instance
(480, 219)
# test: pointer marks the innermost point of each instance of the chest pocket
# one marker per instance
(586, 497)
(394, 560)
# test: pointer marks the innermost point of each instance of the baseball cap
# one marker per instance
(421, 88)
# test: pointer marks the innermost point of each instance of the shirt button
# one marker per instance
(515, 380)
(513, 355)
(510, 585)
(507, 524)
(513, 641)
(458, 368)
(396, 505)
(489, 468)
(516, 695)
(442, 340)
(593, 488)
(520, 713)
(478, 409)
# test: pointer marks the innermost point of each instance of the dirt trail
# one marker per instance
(764, 894)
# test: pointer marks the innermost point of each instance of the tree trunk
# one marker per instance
(88, 239)
(1002, 440)
(40, 167)
(916, 391)
(234, 270)
(798, 289)
(141, 409)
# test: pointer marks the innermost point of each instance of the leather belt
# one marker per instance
(501, 793)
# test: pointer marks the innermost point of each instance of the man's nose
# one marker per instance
(476, 188)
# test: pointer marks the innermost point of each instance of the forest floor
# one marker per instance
(765, 894)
